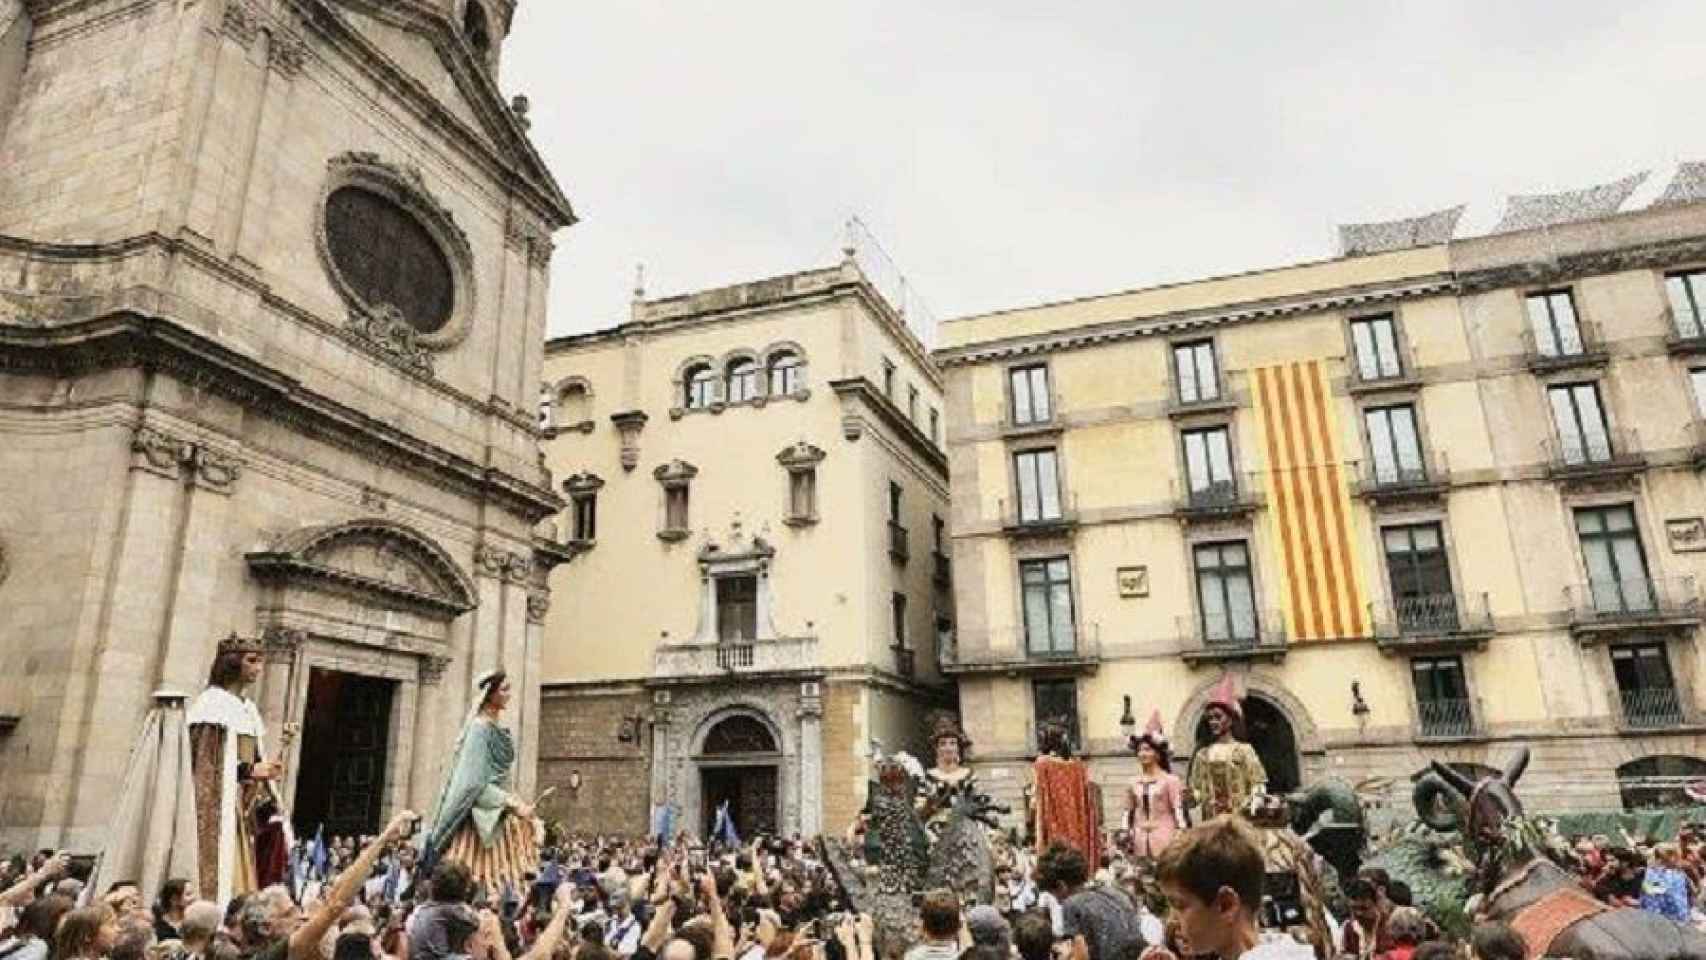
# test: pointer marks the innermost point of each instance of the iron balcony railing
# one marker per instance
(1240, 492)
(1445, 717)
(1610, 450)
(1551, 349)
(1378, 377)
(680, 661)
(1381, 478)
(1018, 516)
(898, 548)
(1436, 614)
(1632, 600)
(1017, 648)
(905, 661)
(1234, 634)
(1649, 707)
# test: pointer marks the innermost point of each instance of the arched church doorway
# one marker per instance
(1270, 733)
(738, 766)
(346, 741)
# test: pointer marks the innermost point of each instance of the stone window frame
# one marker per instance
(1408, 374)
(1244, 479)
(582, 487)
(750, 559)
(1082, 633)
(1268, 627)
(781, 347)
(1008, 411)
(1403, 392)
(800, 459)
(406, 187)
(676, 475)
(1222, 377)
(558, 393)
(725, 368)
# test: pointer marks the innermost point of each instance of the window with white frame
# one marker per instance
(787, 373)
(742, 380)
(1225, 593)
(1394, 448)
(700, 384)
(1046, 586)
(1208, 466)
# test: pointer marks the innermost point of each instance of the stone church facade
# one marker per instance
(273, 278)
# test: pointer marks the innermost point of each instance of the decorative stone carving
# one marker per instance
(214, 470)
(800, 457)
(433, 667)
(241, 22)
(583, 485)
(540, 251)
(629, 424)
(375, 500)
(403, 185)
(371, 558)
(502, 564)
(160, 453)
(676, 473)
(287, 55)
(852, 427)
(1527, 211)
(384, 329)
(538, 604)
(280, 643)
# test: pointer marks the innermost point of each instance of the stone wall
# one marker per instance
(844, 765)
(580, 731)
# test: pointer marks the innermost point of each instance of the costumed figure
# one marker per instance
(477, 820)
(242, 835)
(950, 775)
(1155, 799)
(1065, 803)
(1225, 773)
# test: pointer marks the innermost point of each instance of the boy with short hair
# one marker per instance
(1212, 875)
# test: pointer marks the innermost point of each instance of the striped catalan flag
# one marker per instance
(1309, 503)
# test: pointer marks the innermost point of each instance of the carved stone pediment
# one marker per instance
(385, 560)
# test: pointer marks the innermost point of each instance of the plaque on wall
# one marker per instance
(1134, 581)
(1687, 535)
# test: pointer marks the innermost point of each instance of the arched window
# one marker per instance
(700, 382)
(1658, 781)
(740, 734)
(474, 28)
(787, 373)
(574, 404)
(743, 380)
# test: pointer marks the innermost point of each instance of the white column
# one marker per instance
(811, 759)
(432, 721)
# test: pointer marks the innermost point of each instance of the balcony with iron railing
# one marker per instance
(1549, 350)
(1601, 607)
(905, 661)
(1434, 623)
(679, 662)
(1222, 499)
(1016, 651)
(1361, 381)
(1209, 398)
(1651, 708)
(1235, 636)
(899, 550)
(944, 568)
(1609, 454)
(1386, 481)
(1445, 718)
(1039, 519)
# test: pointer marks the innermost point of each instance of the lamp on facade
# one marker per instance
(1128, 723)
(1359, 706)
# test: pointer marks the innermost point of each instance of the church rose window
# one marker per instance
(386, 256)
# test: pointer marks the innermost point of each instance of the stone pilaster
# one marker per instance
(811, 758)
(432, 720)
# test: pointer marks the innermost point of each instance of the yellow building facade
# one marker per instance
(758, 502)
(1430, 501)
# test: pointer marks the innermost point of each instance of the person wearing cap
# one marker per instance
(1155, 798)
(477, 820)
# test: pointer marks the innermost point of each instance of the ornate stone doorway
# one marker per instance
(346, 735)
(1271, 734)
(738, 765)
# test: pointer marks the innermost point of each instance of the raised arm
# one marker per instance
(553, 935)
(19, 892)
(305, 942)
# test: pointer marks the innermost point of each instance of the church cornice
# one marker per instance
(505, 147)
(129, 337)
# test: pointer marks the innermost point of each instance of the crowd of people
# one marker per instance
(603, 898)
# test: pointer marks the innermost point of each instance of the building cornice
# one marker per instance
(1074, 338)
(128, 338)
(861, 391)
(1647, 256)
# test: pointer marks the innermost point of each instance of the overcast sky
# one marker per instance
(1012, 153)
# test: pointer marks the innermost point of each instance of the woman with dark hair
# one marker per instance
(477, 820)
(1155, 800)
(175, 896)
